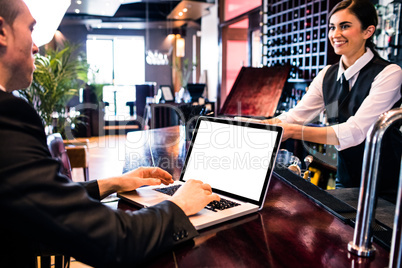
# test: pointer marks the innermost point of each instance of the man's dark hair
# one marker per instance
(9, 10)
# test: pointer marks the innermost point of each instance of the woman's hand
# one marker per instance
(291, 131)
(134, 179)
(287, 128)
(271, 121)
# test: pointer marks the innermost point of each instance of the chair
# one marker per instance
(78, 153)
(131, 105)
(196, 91)
(57, 150)
(141, 94)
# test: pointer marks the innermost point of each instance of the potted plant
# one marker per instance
(184, 69)
(57, 77)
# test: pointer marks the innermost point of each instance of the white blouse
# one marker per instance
(384, 93)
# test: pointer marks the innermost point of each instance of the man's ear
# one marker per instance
(3, 32)
(369, 31)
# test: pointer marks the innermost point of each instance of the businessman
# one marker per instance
(42, 208)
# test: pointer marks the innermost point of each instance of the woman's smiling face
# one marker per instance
(347, 36)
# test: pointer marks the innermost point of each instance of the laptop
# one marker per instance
(235, 157)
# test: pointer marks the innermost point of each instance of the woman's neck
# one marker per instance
(349, 61)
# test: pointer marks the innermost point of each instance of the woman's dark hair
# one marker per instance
(365, 12)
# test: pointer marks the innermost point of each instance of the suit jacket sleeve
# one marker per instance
(92, 188)
(41, 205)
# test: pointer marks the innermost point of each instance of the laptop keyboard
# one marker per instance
(214, 205)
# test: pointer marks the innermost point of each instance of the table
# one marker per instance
(290, 231)
(171, 113)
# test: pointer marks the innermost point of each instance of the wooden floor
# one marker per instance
(106, 159)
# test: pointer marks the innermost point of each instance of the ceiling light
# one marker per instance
(77, 10)
(79, 2)
(120, 26)
(193, 10)
(47, 20)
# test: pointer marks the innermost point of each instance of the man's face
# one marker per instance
(21, 49)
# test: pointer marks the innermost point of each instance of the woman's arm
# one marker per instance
(310, 105)
(323, 135)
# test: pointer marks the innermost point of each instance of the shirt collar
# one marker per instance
(357, 66)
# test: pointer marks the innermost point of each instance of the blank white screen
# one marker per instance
(231, 158)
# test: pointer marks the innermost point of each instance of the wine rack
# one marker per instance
(388, 36)
(294, 32)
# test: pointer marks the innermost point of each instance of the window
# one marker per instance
(118, 60)
(240, 41)
(234, 8)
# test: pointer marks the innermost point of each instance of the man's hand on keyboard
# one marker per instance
(134, 179)
(193, 196)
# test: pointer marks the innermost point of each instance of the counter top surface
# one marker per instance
(292, 230)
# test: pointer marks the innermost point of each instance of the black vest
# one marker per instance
(350, 160)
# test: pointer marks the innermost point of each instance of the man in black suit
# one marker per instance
(39, 206)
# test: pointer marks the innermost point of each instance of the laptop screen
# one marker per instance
(235, 158)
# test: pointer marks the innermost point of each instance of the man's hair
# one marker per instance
(9, 10)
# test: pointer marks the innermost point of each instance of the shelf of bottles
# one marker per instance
(295, 32)
(388, 35)
(289, 98)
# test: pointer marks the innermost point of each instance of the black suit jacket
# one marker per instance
(39, 206)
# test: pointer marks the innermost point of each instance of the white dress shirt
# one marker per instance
(384, 93)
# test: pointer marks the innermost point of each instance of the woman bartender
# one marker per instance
(371, 87)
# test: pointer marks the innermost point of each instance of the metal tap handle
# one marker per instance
(308, 160)
(395, 259)
(361, 244)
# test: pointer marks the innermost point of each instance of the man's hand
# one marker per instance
(143, 176)
(193, 196)
(134, 179)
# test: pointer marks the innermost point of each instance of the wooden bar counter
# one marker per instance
(292, 230)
